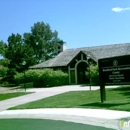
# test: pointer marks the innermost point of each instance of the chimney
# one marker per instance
(61, 46)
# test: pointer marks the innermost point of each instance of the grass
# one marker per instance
(116, 99)
(12, 95)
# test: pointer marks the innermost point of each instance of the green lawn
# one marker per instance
(12, 95)
(116, 99)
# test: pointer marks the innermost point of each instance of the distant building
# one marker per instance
(74, 61)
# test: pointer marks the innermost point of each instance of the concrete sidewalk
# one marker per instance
(84, 112)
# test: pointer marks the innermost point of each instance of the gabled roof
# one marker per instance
(97, 52)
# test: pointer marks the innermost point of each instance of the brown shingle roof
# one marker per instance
(98, 52)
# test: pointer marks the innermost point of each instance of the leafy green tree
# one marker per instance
(15, 53)
(43, 41)
(2, 48)
(3, 71)
(39, 45)
(3, 67)
(4, 62)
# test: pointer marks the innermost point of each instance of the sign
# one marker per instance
(115, 70)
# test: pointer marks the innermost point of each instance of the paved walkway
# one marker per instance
(106, 118)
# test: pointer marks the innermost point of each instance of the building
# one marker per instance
(76, 61)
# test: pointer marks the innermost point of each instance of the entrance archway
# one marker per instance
(81, 69)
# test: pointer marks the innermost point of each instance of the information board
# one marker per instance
(115, 70)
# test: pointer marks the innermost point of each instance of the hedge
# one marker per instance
(43, 77)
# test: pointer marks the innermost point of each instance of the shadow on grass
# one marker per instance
(124, 90)
(102, 105)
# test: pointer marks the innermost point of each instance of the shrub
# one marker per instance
(43, 77)
(94, 74)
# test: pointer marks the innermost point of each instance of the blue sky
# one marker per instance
(80, 23)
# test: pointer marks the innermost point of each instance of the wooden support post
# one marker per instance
(102, 92)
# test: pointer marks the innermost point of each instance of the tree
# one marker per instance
(4, 62)
(3, 67)
(43, 41)
(2, 48)
(15, 53)
(94, 74)
(39, 45)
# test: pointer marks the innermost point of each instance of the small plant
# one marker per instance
(94, 74)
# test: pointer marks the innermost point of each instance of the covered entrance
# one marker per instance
(81, 70)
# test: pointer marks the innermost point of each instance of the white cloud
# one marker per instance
(118, 9)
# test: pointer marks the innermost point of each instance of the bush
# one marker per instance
(94, 75)
(43, 77)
